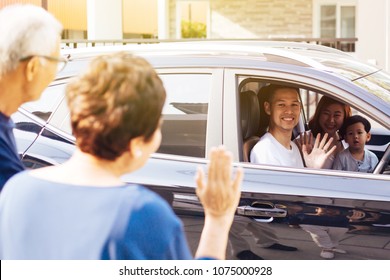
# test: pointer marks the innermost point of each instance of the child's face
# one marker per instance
(357, 137)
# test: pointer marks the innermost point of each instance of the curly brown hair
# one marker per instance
(324, 102)
(118, 98)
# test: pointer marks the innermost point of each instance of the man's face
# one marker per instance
(284, 109)
(45, 74)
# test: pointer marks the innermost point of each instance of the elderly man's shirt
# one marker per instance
(10, 163)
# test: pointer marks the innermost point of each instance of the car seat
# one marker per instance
(250, 120)
(262, 96)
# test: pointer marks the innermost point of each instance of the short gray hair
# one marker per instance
(26, 30)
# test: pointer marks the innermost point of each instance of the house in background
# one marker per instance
(101, 19)
(367, 21)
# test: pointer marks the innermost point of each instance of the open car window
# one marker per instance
(380, 135)
(185, 114)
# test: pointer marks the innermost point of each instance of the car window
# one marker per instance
(47, 103)
(380, 135)
(185, 114)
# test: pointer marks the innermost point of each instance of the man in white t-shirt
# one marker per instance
(270, 151)
(275, 147)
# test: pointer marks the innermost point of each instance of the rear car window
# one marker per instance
(185, 114)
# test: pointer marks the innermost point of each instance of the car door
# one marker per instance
(202, 112)
(53, 142)
(293, 203)
(36, 142)
(192, 118)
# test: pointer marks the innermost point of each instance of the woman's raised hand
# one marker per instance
(320, 151)
(221, 194)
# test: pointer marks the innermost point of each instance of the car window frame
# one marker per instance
(322, 87)
(214, 116)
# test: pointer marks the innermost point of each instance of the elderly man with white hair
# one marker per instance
(29, 59)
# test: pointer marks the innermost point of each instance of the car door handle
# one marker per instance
(261, 212)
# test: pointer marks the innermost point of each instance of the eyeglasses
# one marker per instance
(61, 61)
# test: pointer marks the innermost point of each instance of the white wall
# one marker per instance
(163, 19)
(104, 19)
(373, 32)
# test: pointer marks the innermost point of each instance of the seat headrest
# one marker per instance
(250, 113)
(263, 95)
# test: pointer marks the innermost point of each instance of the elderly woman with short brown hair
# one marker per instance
(82, 210)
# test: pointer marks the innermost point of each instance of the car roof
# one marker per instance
(249, 46)
(273, 55)
(290, 53)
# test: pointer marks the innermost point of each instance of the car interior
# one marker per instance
(250, 121)
(254, 121)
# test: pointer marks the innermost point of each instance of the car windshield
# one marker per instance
(369, 77)
(366, 76)
(377, 83)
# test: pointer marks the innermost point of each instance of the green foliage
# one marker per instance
(193, 29)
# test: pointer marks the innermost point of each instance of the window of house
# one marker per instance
(347, 21)
(328, 21)
(335, 19)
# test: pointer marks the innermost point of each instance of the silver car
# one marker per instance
(212, 99)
